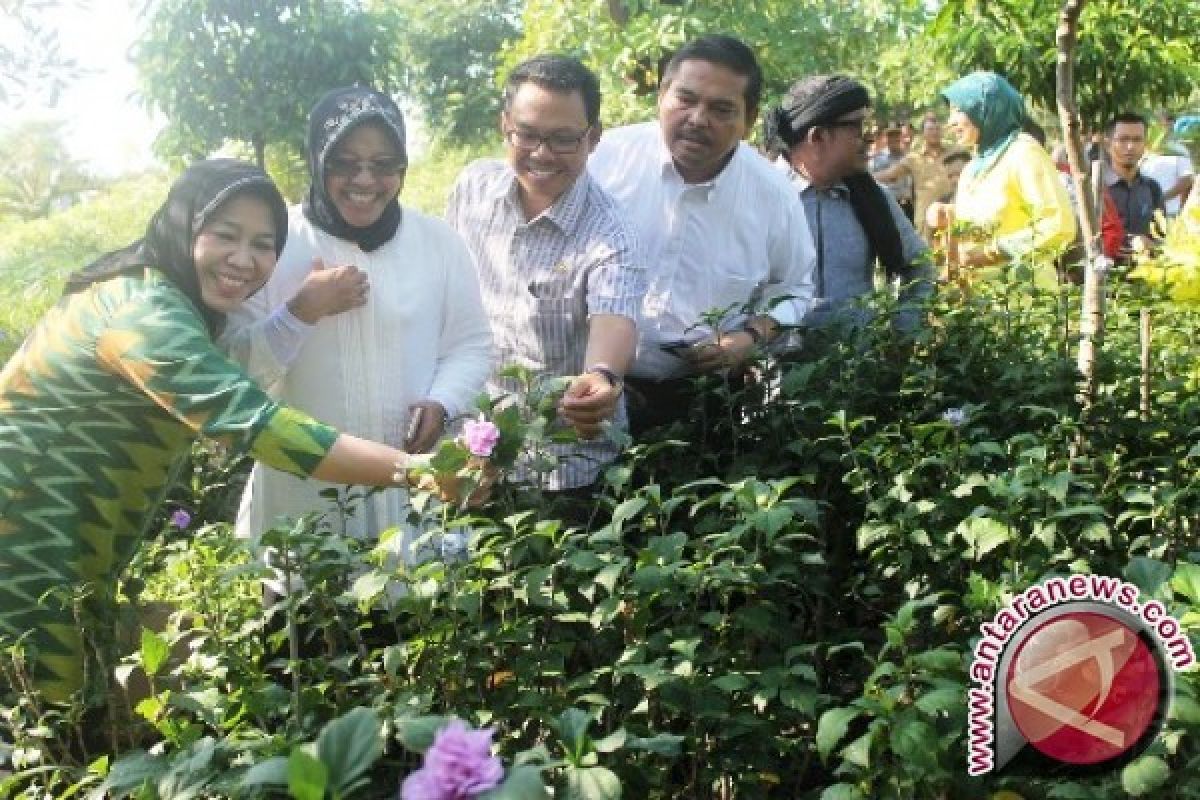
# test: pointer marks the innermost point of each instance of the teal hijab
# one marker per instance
(997, 110)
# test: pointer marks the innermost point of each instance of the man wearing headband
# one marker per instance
(820, 130)
(719, 227)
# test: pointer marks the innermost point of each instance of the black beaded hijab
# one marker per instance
(334, 116)
(171, 235)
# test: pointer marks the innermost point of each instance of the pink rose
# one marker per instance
(480, 437)
(459, 765)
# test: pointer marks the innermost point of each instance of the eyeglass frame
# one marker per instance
(861, 123)
(510, 133)
(379, 167)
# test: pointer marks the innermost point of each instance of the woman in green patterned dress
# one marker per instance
(107, 394)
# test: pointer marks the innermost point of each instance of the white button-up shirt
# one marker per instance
(740, 239)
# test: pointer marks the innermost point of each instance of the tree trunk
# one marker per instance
(260, 150)
(1091, 322)
(619, 12)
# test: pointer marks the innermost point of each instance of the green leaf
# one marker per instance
(940, 660)
(732, 682)
(858, 752)
(592, 783)
(832, 727)
(449, 458)
(608, 576)
(154, 651)
(272, 772)
(522, 783)
(914, 740)
(349, 746)
(1144, 775)
(842, 791)
(613, 742)
(417, 733)
(1148, 574)
(627, 510)
(307, 777)
(572, 726)
(983, 535)
(938, 700)
(663, 744)
(1186, 581)
(1185, 709)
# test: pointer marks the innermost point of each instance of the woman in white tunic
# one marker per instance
(373, 312)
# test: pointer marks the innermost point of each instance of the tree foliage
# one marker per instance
(37, 175)
(450, 54)
(225, 70)
(1132, 54)
(624, 40)
(31, 61)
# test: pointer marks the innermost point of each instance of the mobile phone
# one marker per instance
(675, 346)
(414, 425)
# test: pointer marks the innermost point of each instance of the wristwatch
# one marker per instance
(609, 374)
(754, 334)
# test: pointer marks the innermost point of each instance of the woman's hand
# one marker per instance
(329, 290)
(939, 216)
(450, 486)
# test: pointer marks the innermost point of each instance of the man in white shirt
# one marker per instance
(721, 229)
(1171, 167)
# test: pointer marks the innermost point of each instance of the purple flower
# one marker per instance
(955, 416)
(480, 437)
(181, 519)
(459, 765)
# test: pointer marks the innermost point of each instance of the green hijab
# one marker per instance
(997, 110)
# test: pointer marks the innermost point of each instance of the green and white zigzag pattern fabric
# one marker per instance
(104, 396)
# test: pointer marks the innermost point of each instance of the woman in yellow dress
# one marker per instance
(1010, 191)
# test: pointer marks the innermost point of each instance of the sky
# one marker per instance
(105, 128)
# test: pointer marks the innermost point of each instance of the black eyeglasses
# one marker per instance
(858, 125)
(379, 167)
(564, 144)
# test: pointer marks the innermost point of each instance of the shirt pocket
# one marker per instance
(556, 290)
(731, 292)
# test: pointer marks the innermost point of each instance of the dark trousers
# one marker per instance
(652, 404)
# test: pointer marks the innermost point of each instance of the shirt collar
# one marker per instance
(802, 183)
(564, 214)
(709, 187)
(1111, 178)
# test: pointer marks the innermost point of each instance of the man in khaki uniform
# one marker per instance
(924, 164)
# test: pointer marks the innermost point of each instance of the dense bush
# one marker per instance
(777, 599)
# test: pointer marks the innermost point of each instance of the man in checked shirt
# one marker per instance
(558, 265)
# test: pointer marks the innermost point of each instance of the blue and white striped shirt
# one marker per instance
(542, 279)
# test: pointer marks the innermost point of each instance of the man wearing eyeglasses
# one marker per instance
(821, 131)
(557, 261)
(722, 231)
